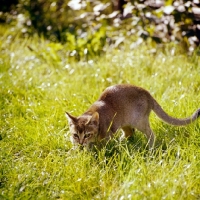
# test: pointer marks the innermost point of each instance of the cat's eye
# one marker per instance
(87, 135)
(75, 135)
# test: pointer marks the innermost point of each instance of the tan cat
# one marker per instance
(120, 106)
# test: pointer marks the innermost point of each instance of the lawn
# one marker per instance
(39, 83)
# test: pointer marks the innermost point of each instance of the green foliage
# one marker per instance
(39, 84)
(87, 27)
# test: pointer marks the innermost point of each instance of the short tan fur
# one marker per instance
(120, 106)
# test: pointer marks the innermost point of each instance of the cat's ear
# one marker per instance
(94, 118)
(71, 119)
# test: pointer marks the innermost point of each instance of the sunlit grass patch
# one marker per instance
(37, 160)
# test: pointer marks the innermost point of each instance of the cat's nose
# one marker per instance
(81, 142)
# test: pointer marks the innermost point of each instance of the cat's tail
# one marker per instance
(171, 120)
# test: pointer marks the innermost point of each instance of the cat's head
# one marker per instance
(84, 129)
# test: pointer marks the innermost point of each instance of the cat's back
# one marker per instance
(124, 93)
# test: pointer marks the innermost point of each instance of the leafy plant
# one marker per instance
(86, 27)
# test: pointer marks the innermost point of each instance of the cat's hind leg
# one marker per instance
(146, 129)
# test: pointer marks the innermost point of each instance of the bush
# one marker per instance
(87, 26)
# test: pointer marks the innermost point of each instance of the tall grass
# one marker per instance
(38, 84)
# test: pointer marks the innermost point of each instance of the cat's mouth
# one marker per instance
(91, 145)
(81, 147)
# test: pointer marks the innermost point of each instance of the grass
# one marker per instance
(37, 86)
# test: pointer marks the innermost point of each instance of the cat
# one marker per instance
(120, 106)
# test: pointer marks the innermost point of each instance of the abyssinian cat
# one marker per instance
(120, 106)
